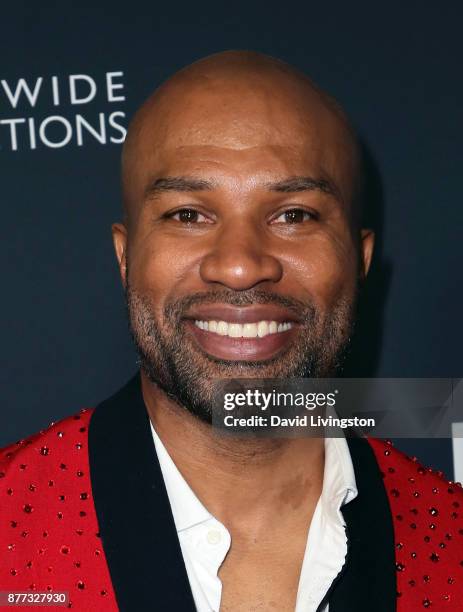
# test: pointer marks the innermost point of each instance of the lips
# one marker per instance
(252, 333)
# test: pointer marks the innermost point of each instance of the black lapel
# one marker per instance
(368, 580)
(136, 524)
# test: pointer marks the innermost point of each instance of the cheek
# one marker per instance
(325, 269)
(155, 269)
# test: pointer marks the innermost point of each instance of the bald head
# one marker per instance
(238, 101)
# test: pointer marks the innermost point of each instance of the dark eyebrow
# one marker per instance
(305, 183)
(177, 183)
(293, 184)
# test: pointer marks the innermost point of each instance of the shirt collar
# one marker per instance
(187, 510)
(339, 486)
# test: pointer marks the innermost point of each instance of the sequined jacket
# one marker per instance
(78, 502)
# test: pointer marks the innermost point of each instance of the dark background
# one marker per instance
(395, 67)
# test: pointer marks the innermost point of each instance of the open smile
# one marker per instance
(252, 333)
(244, 330)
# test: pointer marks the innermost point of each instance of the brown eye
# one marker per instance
(295, 215)
(187, 215)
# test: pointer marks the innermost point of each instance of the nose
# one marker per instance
(239, 259)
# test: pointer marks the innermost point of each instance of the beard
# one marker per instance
(173, 361)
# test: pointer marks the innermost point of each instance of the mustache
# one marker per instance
(176, 309)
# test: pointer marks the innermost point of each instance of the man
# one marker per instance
(241, 254)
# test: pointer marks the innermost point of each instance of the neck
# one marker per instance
(256, 481)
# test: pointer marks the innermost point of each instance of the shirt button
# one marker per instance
(214, 536)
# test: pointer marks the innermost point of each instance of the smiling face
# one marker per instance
(239, 255)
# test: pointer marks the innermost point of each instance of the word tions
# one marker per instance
(41, 112)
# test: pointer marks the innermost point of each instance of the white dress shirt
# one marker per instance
(205, 541)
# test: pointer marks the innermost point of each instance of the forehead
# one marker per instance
(241, 134)
(244, 169)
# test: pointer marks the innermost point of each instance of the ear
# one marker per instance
(367, 242)
(119, 233)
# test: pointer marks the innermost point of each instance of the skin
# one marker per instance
(243, 121)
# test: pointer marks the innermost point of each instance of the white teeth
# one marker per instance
(262, 329)
(245, 330)
(235, 330)
(250, 330)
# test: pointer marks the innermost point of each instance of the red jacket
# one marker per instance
(78, 502)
